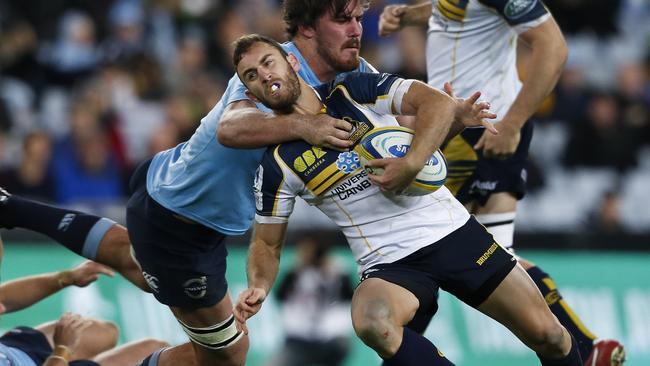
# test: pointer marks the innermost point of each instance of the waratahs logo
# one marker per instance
(348, 162)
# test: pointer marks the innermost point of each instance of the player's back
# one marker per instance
(472, 43)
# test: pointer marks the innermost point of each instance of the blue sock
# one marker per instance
(417, 350)
(572, 359)
(562, 311)
(77, 231)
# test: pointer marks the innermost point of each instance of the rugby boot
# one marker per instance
(606, 352)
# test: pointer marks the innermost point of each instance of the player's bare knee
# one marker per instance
(152, 344)
(373, 325)
(549, 340)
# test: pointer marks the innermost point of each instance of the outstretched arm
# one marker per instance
(549, 53)
(262, 268)
(244, 126)
(24, 292)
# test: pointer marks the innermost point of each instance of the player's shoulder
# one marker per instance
(517, 11)
(362, 86)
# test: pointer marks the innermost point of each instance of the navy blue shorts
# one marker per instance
(35, 345)
(184, 263)
(467, 263)
(471, 177)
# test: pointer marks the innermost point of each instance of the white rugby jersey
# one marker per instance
(380, 228)
(472, 44)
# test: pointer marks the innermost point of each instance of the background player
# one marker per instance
(472, 43)
(407, 247)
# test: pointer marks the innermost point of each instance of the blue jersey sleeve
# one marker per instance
(517, 12)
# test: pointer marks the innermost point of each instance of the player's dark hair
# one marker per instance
(298, 13)
(244, 43)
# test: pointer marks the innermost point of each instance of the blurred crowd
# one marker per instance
(88, 89)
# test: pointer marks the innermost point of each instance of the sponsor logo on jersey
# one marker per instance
(152, 281)
(352, 186)
(483, 186)
(66, 221)
(348, 162)
(488, 253)
(517, 8)
(196, 288)
(309, 160)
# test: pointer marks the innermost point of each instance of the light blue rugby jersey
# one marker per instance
(208, 182)
(10, 356)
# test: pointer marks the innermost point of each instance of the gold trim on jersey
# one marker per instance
(357, 227)
(278, 159)
(451, 10)
(459, 150)
(325, 179)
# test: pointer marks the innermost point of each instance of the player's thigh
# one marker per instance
(517, 304)
(376, 299)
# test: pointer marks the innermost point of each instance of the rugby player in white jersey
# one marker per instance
(406, 247)
(472, 44)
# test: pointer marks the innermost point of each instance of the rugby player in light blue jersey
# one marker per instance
(187, 199)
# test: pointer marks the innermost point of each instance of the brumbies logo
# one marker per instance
(196, 288)
(348, 162)
(358, 129)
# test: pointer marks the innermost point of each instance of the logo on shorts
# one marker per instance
(487, 254)
(196, 288)
(152, 281)
(66, 221)
(367, 273)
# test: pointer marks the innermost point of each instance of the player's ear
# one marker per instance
(293, 61)
(251, 96)
(307, 31)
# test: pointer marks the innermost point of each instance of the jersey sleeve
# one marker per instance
(275, 190)
(520, 14)
(378, 91)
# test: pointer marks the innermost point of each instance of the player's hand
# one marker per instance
(87, 273)
(68, 330)
(472, 113)
(248, 304)
(323, 130)
(500, 146)
(390, 20)
(397, 174)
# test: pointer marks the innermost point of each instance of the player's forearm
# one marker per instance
(263, 265)
(22, 293)
(435, 113)
(251, 128)
(455, 128)
(549, 54)
(417, 15)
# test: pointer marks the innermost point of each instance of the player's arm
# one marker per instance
(436, 112)
(395, 17)
(24, 292)
(548, 56)
(243, 125)
(261, 269)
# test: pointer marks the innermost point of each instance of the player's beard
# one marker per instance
(285, 105)
(325, 50)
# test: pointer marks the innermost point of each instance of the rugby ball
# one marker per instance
(394, 142)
